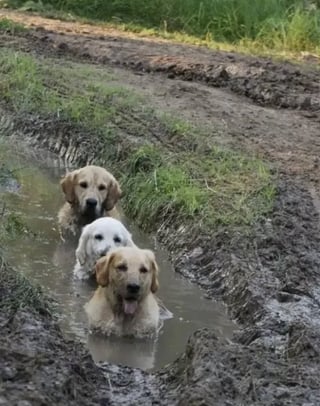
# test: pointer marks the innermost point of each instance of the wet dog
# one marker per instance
(124, 303)
(96, 240)
(90, 192)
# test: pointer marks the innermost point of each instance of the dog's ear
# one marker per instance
(114, 194)
(67, 184)
(81, 251)
(102, 269)
(154, 270)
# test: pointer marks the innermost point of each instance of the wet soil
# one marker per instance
(268, 277)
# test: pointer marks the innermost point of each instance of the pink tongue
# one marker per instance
(130, 307)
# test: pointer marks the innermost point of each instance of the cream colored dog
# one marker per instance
(124, 304)
(96, 240)
(90, 192)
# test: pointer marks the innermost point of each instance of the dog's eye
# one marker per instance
(84, 185)
(122, 268)
(117, 239)
(101, 187)
(98, 237)
(143, 269)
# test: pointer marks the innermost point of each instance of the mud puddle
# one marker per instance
(34, 196)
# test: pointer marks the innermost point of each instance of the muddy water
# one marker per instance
(33, 193)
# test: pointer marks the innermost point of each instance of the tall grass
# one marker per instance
(288, 24)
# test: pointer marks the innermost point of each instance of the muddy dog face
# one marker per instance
(92, 190)
(131, 273)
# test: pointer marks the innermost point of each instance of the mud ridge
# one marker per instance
(261, 80)
(267, 278)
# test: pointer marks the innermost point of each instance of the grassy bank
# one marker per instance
(168, 172)
(292, 25)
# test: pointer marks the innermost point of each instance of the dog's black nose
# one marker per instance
(133, 288)
(91, 202)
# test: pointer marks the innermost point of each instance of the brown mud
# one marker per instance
(268, 277)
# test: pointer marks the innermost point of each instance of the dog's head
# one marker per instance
(99, 237)
(92, 189)
(131, 273)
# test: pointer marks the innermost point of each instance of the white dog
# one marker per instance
(96, 239)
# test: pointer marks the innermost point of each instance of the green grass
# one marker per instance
(165, 177)
(9, 26)
(221, 188)
(292, 25)
(12, 225)
(38, 87)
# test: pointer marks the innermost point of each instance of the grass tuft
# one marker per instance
(11, 27)
(17, 292)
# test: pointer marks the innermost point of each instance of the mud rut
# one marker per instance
(269, 280)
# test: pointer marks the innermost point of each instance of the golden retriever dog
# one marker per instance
(96, 240)
(124, 303)
(90, 192)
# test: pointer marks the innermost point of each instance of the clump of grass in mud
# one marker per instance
(12, 225)
(162, 178)
(223, 188)
(9, 26)
(17, 292)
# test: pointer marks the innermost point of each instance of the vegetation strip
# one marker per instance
(260, 26)
(170, 173)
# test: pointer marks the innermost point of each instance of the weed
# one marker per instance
(12, 226)
(10, 26)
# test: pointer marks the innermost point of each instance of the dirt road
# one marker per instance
(255, 104)
(270, 278)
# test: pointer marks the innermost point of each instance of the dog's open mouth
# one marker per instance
(130, 306)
